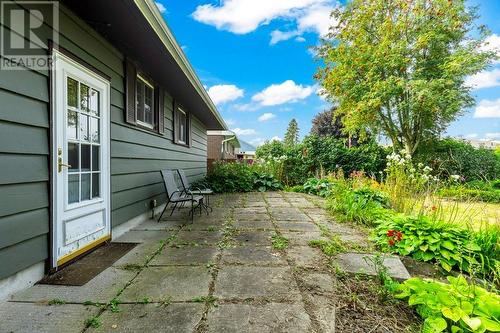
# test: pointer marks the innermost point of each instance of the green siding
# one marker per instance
(136, 155)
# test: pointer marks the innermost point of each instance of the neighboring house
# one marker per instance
(82, 145)
(222, 145)
(246, 152)
(483, 143)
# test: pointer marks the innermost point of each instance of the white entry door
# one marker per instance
(81, 176)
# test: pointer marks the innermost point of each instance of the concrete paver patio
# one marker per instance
(220, 274)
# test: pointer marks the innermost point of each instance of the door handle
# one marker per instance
(61, 165)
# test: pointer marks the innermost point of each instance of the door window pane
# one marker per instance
(73, 156)
(73, 188)
(94, 102)
(95, 158)
(84, 127)
(96, 185)
(84, 97)
(85, 187)
(71, 130)
(94, 129)
(85, 149)
(72, 92)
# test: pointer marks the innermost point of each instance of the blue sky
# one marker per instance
(255, 59)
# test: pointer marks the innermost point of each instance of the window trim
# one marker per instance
(176, 121)
(153, 106)
(182, 141)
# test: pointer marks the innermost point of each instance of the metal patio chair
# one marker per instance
(199, 189)
(176, 196)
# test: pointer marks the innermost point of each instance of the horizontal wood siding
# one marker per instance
(136, 155)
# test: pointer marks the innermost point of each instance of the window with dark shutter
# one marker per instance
(182, 126)
(144, 101)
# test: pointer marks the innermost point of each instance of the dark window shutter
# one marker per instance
(175, 122)
(130, 106)
(189, 133)
(159, 110)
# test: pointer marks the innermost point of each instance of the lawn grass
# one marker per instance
(475, 214)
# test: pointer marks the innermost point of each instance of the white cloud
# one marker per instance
(222, 93)
(300, 39)
(472, 136)
(488, 109)
(260, 141)
(494, 135)
(161, 7)
(486, 79)
(282, 93)
(492, 43)
(244, 131)
(230, 122)
(244, 16)
(246, 107)
(278, 36)
(266, 116)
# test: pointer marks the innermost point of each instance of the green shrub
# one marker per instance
(316, 156)
(240, 177)
(265, 182)
(427, 240)
(464, 193)
(319, 187)
(363, 206)
(454, 157)
(454, 307)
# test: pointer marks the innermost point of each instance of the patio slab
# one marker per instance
(252, 225)
(102, 288)
(251, 217)
(317, 283)
(306, 256)
(189, 255)
(181, 283)
(173, 318)
(296, 226)
(253, 255)
(162, 225)
(139, 255)
(244, 237)
(143, 236)
(41, 318)
(272, 317)
(361, 263)
(302, 238)
(243, 282)
(289, 216)
(198, 237)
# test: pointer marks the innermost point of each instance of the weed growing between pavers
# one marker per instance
(131, 267)
(210, 301)
(279, 242)
(56, 301)
(164, 302)
(93, 322)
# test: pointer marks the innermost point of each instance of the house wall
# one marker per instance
(214, 147)
(136, 155)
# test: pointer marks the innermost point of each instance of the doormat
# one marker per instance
(86, 268)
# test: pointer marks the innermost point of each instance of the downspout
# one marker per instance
(222, 146)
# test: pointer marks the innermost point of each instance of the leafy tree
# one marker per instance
(398, 66)
(292, 134)
(326, 124)
(274, 148)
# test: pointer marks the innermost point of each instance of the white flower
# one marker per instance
(455, 177)
(427, 168)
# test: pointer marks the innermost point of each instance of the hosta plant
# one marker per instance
(455, 307)
(427, 240)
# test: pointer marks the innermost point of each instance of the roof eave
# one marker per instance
(158, 24)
